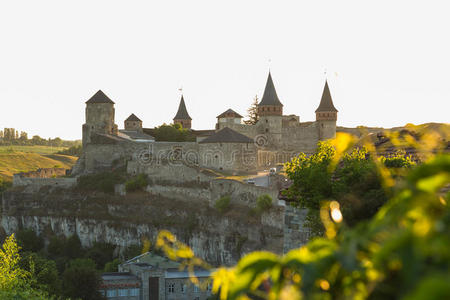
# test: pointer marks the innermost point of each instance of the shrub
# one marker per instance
(112, 266)
(223, 204)
(136, 183)
(264, 202)
(104, 181)
(76, 150)
(398, 159)
(4, 185)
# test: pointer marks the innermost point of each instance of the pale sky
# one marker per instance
(387, 62)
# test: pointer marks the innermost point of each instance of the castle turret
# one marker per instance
(270, 112)
(133, 123)
(326, 115)
(99, 117)
(270, 105)
(182, 117)
(228, 118)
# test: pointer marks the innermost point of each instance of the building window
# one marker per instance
(267, 129)
(196, 289)
(209, 288)
(134, 292)
(171, 288)
(267, 121)
(111, 293)
(123, 292)
(183, 288)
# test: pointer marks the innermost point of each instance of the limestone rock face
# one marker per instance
(220, 239)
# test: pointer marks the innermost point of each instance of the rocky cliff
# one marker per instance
(126, 220)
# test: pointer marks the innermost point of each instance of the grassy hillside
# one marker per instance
(15, 159)
(424, 137)
(31, 149)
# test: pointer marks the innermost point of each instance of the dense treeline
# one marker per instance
(11, 136)
(63, 269)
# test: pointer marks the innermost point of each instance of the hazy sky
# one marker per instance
(387, 62)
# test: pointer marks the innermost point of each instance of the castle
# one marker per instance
(231, 146)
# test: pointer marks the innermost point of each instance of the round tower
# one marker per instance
(182, 117)
(99, 117)
(326, 115)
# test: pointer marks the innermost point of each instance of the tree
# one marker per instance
(252, 113)
(81, 280)
(400, 253)
(23, 136)
(353, 179)
(29, 240)
(11, 275)
(16, 282)
(73, 248)
(100, 253)
(173, 133)
(44, 271)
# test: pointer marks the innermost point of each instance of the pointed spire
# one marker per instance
(326, 103)
(270, 96)
(99, 97)
(182, 113)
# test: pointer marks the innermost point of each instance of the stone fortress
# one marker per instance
(185, 180)
(231, 147)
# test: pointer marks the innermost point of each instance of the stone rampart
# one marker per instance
(36, 183)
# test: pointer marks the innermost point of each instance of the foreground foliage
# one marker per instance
(353, 179)
(16, 282)
(401, 253)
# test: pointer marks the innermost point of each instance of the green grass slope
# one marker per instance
(13, 161)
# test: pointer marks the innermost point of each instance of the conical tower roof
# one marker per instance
(326, 103)
(270, 96)
(182, 113)
(99, 97)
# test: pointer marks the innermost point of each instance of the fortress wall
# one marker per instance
(240, 193)
(248, 130)
(182, 193)
(300, 139)
(165, 171)
(295, 233)
(44, 173)
(37, 183)
(101, 156)
(228, 156)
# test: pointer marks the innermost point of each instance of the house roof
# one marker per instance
(270, 96)
(99, 97)
(182, 113)
(229, 112)
(227, 135)
(326, 103)
(133, 117)
(136, 135)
